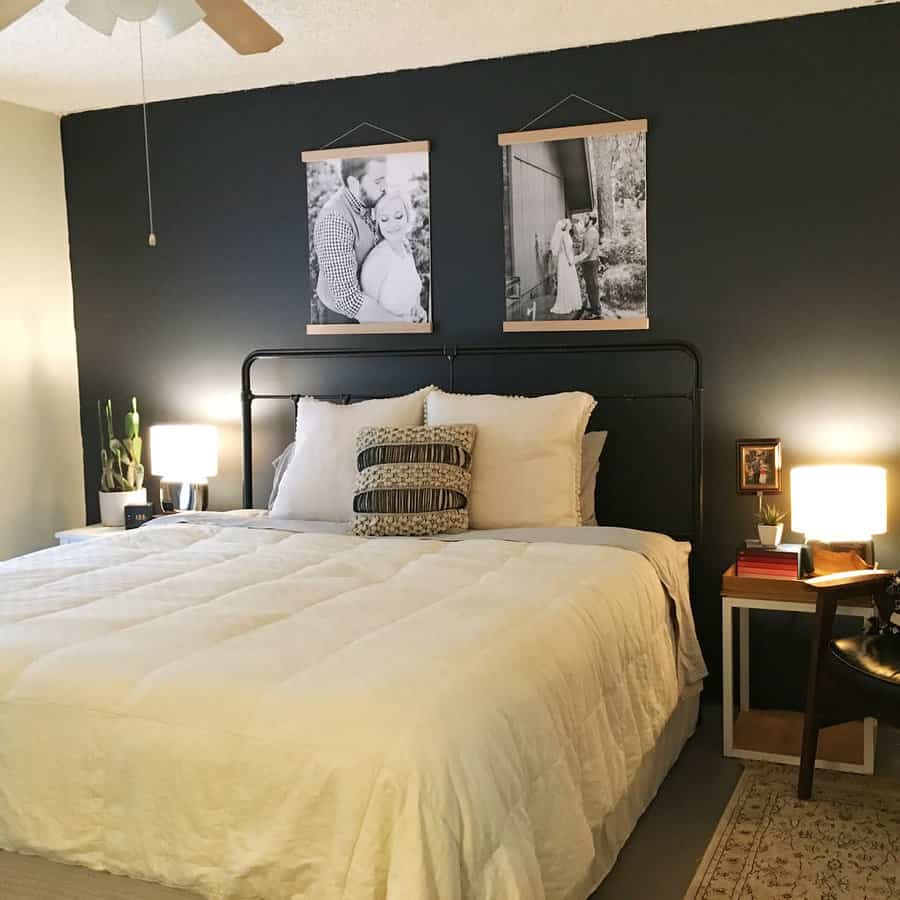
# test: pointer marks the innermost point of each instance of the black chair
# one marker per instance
(853, 677)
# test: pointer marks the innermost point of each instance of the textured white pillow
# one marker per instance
(318, 482)
(591, 448)
(526, 468)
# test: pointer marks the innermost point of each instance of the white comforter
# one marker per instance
(264, 714)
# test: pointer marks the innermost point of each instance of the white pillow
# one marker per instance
(591, 448)
(526, 468)
(318, 483)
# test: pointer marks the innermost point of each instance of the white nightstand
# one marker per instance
(775, 735)
(89, 533)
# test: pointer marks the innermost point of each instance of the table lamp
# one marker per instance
(839, 509)
(184, 456)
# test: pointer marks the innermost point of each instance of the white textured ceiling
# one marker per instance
(51, 61)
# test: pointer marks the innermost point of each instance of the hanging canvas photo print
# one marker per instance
(575, 228)
(369, 239)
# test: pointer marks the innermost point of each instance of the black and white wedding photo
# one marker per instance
(575, 227)
(369, 239)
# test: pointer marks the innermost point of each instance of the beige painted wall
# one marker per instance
(42, 488)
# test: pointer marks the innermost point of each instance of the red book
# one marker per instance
(768, 557)
(767, 564)
(790, 570)
(780, 576)
(789, 563)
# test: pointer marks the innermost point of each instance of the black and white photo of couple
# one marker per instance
(369, 227)
(575, 227)
(575, 248)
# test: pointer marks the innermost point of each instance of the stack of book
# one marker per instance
(788, 561)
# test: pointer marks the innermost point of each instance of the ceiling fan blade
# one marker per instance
(11, 10)
(240, 26)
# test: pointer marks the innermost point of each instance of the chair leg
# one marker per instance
(826, 606)
(808, 756)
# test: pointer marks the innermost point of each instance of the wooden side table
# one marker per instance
(776, 735)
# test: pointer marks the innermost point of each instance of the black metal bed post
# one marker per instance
(697, 492)
(247, 433)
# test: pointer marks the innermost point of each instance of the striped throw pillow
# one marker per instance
(412, 480)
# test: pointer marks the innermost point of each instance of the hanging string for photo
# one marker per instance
(387, 131)
(400, 144)
(151, 237)
(566, 99)
(528, 135)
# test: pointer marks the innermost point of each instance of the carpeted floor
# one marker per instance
(666, 848)
(839, 845)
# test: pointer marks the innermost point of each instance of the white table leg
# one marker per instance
(744, 660)
(727, 678)
(870, 725)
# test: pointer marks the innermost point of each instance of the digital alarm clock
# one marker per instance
(136, 515)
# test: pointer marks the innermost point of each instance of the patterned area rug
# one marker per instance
(844, 844)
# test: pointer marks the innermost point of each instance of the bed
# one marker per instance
(229, 706)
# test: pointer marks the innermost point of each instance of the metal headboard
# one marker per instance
(691, 394)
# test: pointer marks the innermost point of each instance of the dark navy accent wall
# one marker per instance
(774, 242)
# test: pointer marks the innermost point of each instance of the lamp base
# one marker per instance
(829, 557)
(183, 496)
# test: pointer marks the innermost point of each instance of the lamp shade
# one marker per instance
(133, 10)
(95, 13)
(176, 16)
(188, 453)
(839, 503)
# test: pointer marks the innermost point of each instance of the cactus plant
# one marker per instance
(120, 460)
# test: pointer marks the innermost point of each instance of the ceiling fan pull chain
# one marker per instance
(151, 237)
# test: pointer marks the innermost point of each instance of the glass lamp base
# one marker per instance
(183, 496)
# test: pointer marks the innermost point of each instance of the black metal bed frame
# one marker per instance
(451, 354)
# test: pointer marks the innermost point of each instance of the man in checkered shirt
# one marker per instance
(345, 232)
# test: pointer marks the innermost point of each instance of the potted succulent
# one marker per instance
(121, 472)
(770, 524)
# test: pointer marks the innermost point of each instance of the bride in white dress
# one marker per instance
(568, 288)
(389, 274)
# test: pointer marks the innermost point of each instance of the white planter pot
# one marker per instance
(770, 535)
(113, 503)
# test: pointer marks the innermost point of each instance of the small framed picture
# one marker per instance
(759, 466)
